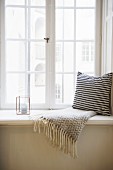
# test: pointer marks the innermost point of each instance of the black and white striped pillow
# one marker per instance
(93, 93)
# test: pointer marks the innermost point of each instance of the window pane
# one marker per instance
(14, 88)
(58, 89)
(69, 24)
(64, 52)
(85, 57)
(85, 3)
(64, 3)
(15, 23)
(37, 61)
(15, 2)
(65, 24)
(64, 90)
(109, 7)
(68, 89)
(68, 56)
(108, 44)
(85, 24)
(59, 24)
(37, 3)
(37, 88)
(38, 23)
(15, 56)
(59, 49)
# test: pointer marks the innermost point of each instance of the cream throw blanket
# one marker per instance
(62, 127)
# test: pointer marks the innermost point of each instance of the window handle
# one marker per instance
(47, 39)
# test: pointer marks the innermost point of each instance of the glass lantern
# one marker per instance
(22, 105)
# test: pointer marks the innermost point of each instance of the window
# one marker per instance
(107, 44)
(88, 52)
(58, 93)
(46, 71)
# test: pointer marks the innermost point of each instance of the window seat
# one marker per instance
(9, 117)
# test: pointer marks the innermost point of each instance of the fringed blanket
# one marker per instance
(63, 127)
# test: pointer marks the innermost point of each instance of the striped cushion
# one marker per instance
(93, 93)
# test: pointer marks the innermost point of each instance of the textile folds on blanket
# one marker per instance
(63, 127)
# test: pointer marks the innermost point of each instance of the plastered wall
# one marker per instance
(22, 149)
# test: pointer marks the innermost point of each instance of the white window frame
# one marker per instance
(50, 57)
(107, 36)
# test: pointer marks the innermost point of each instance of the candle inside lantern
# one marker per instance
(23, 108)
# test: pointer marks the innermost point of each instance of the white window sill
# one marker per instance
(9, 117)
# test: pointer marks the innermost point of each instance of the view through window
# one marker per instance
(28, 57)
(75, 43)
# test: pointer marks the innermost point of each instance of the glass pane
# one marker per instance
(37, 88)
(109, 7)
(65, 94)
(69, 24)
(58, 89)
(18, 87)
(68, 56)
(64, 3)
(38, 23)
(112, 6)
(59, 24)
(15, 2)
(59, 48)
(15, 23)
(65, 24)
(106, 6)
(37, 56)
(68, 89)
(85, 24)
(85, 3)
(66, 48)
(85, 54)
(37, 3)
(15, 56)
(108, 44)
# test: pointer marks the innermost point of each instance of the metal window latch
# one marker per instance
(47, 39)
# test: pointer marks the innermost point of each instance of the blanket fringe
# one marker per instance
(57, 137)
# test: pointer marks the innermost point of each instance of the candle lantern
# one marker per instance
(22, 105)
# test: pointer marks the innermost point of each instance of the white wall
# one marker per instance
(22, 149)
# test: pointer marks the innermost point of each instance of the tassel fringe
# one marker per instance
(57, 137)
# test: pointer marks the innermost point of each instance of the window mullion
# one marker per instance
(74, 59)
(27, 83)
(50, 53)
(98, 34)
(2, 64)
(47, 58)
(63, 59)
(26, 52)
